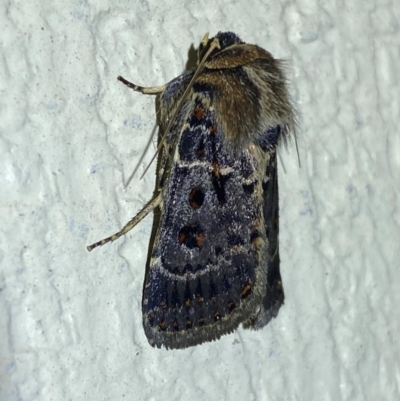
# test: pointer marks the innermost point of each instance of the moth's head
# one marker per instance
(225, 39)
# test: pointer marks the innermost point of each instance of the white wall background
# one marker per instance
(71, 136)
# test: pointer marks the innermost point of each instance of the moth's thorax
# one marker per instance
(246, 90)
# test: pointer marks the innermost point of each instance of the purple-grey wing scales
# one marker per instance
(205, 276)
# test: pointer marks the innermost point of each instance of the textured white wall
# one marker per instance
(71, 136)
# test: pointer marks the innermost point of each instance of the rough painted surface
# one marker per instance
(70, 137)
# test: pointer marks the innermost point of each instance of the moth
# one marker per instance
(215, 258)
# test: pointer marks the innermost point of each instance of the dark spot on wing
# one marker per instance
(191, 236)
(196, 198)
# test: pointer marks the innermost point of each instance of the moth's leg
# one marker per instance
(132, 223)
(151, 90)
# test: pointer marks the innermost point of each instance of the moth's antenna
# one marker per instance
(281, 162)
(214, 45)
(297, 149)
(161, 144)
(142, 156)
(293, 131)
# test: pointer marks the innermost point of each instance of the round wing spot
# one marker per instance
(196, 198)
(191, 236)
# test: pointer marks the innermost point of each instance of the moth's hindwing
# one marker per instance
(274, 295)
